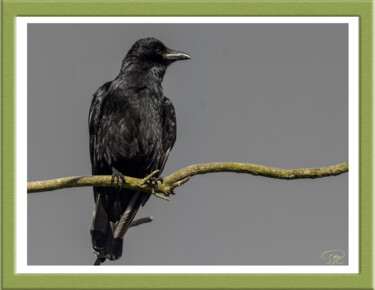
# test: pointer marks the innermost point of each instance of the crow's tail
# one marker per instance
(107, 236)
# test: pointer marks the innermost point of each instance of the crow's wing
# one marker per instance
(100, 224)
(169, 134)
(169, 131)
(94, 123)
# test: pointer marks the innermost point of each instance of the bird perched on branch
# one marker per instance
(132, 128)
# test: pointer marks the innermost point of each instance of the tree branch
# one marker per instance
(180, 177)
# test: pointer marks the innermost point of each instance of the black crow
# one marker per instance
(132, 129)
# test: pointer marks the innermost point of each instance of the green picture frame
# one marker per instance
(12, 9)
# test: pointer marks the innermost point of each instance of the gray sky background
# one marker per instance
(271, 94)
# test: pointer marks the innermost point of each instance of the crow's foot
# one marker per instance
(151, 180)
(119, 176)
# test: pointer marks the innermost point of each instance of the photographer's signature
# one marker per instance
(333, 257)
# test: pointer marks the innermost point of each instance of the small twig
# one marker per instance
(141, 221)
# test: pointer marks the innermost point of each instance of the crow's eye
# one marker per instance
(158, 50)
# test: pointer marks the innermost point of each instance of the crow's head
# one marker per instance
(151, 51)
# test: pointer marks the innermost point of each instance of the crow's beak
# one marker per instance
(174, 55)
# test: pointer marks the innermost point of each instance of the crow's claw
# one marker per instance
(153, 181)
(119, 176)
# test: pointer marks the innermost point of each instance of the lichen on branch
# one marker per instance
(179, 177)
